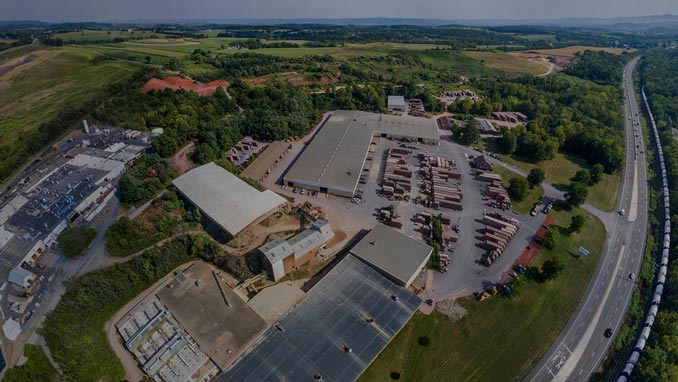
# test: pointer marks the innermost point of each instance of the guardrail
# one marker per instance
(663, 267)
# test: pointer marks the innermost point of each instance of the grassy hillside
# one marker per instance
(33, 94)
(499, 339)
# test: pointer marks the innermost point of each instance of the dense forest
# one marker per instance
(659, 76)
(600, 67)
(565, 113)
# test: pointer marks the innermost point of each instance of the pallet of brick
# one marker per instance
(489, 245)
(450, 236)
(491, 221)
(499, 240)
(387, 190)
(445, 219)
(489, 177)
(396, 223)
(400, 150)
(450, 204)
(498, 232)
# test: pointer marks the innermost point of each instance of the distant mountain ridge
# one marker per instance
(637, 23)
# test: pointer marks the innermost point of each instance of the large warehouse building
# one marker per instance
(225, 199)
(396, 255)
(344, 322)
(333, 161)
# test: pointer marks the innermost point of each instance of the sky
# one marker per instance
(135, 10)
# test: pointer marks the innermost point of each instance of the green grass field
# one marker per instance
(524, 206)
(123, 54)
(88, 35)
(36, 91)
(499, 339)
(560, 169)
(507, 63)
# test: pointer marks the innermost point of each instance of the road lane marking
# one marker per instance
(572, 361)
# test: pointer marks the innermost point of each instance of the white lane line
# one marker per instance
(580, 349)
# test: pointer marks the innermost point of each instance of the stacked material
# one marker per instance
(397, 179)
(438, 174)
(497, 232)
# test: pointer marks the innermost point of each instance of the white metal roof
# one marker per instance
(396, 101)
(12, 329)
(226, 199)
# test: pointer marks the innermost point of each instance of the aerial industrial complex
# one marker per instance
(334, 159)
(228, 201)
(72, 188)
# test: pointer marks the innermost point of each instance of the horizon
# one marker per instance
(75, 11)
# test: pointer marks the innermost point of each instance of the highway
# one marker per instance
(582, 345)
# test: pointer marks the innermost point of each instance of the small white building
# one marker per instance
(12, 329)
(397, 103)
(21, 277)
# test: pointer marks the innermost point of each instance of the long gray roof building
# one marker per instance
(334, 159)
(395, 254)
(346, 320)
(227, 200)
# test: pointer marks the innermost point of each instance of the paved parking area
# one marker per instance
(465, 275)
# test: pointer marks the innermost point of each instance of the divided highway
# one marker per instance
(581, 346)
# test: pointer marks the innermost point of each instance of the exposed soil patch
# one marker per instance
(451, 309)
(176, 83)
(15, 63)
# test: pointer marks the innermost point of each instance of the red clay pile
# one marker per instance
(176, 83)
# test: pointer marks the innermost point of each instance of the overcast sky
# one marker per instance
(132, 10)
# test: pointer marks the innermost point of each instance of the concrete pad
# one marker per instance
(275, 301)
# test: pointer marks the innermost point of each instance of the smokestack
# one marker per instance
(84, 122)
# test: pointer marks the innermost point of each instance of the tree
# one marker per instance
(577, 223)
(596, 174)
(551, 239)
(518, 188)
(582, 176)
(74, 240)
(508, 142)
(551, 268)
(576, 194)
(147, 59)
(36, 368)
(536, 176)
(469, 133)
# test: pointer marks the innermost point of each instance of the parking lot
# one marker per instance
(465, 274)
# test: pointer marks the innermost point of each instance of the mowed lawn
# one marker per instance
(524, 206)
(36, 91)
(562, 168)
(499, 339)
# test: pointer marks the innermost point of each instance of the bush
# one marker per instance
(395, 375)
(518, 188)
(424, 341)
(577, 223)
(551, 239)
(74, 240)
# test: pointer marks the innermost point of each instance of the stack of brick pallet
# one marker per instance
(397, 180)
(498, 231)
(437, 173)
(496, 190)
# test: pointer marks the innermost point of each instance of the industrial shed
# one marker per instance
(346, 320)
(400, 257)
(225, 199)
(333, 161)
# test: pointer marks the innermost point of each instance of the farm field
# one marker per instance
(88, 35)
(34, 92)
(499, 339)
(562, 168)
(508, 63)
(570, 51)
